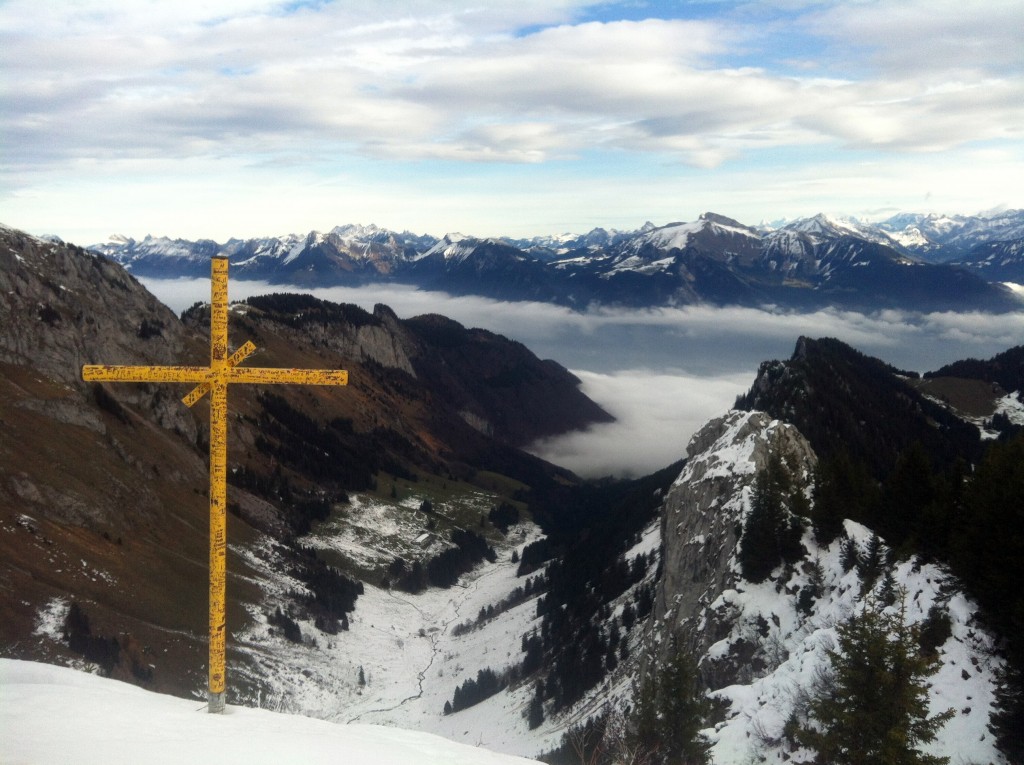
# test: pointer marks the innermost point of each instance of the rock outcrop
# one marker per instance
(701, 519)
(64, 307)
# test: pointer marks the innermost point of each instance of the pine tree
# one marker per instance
(849, 555)
(869, 566)
(877, 711)
(669, 715)
(771, 533)
(535, 715)
(887, 593)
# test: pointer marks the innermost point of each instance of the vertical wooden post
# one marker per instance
(218, 483)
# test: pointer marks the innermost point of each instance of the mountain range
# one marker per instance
(915, 262)
(396, 558)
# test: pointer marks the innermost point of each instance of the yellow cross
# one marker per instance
(214, 379)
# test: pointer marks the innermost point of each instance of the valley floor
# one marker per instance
(404, 648)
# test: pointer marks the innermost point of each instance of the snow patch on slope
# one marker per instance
(404, 645)
(795, 647)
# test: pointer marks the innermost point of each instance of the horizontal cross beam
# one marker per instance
(205, 375)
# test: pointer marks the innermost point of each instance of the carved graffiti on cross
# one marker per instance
(224, 370)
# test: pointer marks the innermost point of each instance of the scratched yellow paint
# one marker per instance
(203, 388)
(214, 380)
(103, 373)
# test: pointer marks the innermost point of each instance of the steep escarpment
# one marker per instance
(701, 521)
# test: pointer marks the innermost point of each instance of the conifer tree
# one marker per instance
(771, 533)
(877, 711)
(535, 715)
(669, 715)
(887, 592)
(869, 566)
(849, 555)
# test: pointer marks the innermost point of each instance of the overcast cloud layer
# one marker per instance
(663, 373)
(247, 117)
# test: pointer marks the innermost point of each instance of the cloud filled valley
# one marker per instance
(661, 372)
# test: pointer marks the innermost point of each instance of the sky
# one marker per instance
(246, 118)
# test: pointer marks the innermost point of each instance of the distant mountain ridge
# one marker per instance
(916, 262)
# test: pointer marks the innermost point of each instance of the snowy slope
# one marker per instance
(55, 715)
(765, 646)
(411, 655)
(795, 646)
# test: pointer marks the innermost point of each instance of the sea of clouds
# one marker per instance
(662, 372)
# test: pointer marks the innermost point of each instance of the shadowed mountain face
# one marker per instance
(103, 486)
(844, 401)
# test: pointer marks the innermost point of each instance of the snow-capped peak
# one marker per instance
(823, 223)
(452, 246)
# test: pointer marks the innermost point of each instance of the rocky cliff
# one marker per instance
(700, 524)
(763, 648)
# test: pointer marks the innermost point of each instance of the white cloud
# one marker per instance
(929, 38)
(656, 413)
(424, 80)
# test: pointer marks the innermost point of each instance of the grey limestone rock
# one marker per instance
(701, 516)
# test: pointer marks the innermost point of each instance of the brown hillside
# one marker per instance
(103, 487)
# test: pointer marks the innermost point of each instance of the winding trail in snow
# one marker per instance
(467, 590)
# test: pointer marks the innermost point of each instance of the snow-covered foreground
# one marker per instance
(55, 715)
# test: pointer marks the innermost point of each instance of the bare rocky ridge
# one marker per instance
(64, 307)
